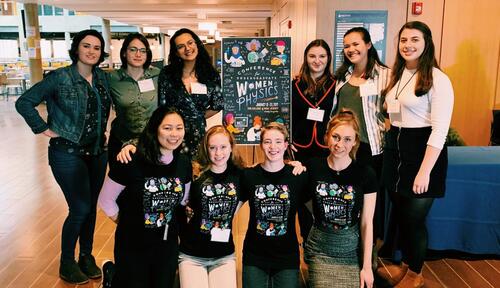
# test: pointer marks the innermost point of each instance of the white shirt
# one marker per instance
(433, 109)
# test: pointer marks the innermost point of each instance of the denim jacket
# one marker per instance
(65, 92)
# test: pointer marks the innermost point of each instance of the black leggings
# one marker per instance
(413, 212)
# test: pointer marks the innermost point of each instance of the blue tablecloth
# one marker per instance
(468, 217)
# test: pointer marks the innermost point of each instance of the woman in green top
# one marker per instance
(134, 94)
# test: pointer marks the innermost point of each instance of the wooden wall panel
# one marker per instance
(302, 14)
(432, 15)
(470, 57)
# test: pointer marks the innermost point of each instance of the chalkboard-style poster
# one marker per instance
(256, 84)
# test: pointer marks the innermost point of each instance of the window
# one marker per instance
(48, 10)
(58, 11)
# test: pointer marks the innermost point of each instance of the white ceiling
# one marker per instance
(233, 17)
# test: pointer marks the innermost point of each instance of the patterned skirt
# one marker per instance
(333, 258)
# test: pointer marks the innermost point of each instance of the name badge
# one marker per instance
(220, 235)
(393, 106)
(146, 85)
(315, 114)
(165, 233)
(198, 88)
(367, 89)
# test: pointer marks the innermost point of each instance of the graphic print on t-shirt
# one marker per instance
(272, 204)
(218, 204)
(160, 196)
(335, 203)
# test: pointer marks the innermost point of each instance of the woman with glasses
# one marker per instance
(134, 94)
(191, 84)
(343, 193)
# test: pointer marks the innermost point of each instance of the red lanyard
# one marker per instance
(320, 100)
(314, 137)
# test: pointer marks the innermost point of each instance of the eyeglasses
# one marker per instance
(135, 49)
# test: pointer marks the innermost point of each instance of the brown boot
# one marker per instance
(392, 273)
(411, 280)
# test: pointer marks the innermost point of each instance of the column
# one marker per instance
(31, 27)
(67, 36)
(162, 46)
(106, 34)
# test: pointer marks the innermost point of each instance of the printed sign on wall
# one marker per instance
(375, 21)
(256, 83)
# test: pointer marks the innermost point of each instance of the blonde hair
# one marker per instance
(274, 126)
(203, 156)
(345, 117)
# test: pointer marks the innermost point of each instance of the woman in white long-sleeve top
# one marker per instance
(420, 103)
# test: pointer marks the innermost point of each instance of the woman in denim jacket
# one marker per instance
(78, 103)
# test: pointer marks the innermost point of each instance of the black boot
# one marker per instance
(88, 266)
(70, 272)
(108, 270)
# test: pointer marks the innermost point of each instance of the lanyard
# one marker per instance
(399, 82)
(314, 132)
(320, 100)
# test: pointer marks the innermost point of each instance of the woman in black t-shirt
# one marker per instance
(143, 197)
(343, 197)
(270, 250)
(206, 248)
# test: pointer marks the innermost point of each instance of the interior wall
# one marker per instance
(396, 17)
(433, 16)
(300, 15)
(470, 57)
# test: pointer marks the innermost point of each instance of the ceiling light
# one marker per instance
(151, 30)
(201, 16)
(207, 26)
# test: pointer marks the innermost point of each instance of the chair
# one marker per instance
(3, 86)
(14, 85)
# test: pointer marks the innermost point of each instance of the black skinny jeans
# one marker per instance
(80, 178)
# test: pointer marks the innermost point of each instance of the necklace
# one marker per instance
(399, 82)
(330, 164)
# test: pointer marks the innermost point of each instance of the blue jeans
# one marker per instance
(255, 277)
(80, 178)
(207, 272)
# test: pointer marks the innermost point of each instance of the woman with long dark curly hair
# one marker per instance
(191, 84)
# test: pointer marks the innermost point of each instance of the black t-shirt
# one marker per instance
(338, 197)
(213, 198)
(271, 239)
(149, 201)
